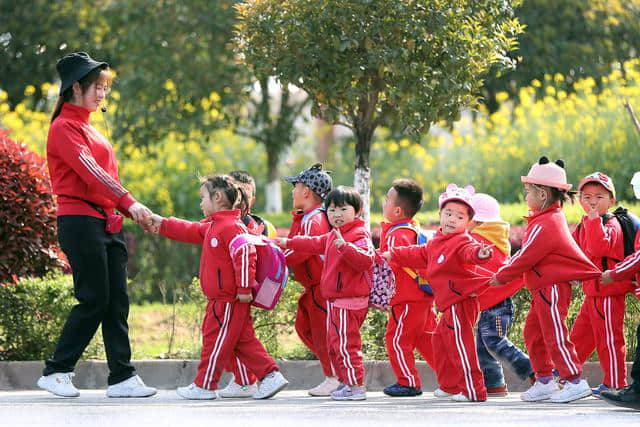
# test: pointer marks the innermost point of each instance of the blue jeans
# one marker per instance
(493, 345)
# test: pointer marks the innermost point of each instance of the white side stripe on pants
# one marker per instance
(213, 357)
(609, 338)
(560, 338)
(462, 351)
(242, 370)
(396, 347)
(351, 373)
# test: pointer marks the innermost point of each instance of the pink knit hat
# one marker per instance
(486, 208)
(549, 174)
(458, 194)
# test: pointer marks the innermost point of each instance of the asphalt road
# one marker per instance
(294, 408)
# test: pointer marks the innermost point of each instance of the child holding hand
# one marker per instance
(344, 284)
(227, 328)
(451, 260)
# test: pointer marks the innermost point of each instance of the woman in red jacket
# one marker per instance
(84, 176)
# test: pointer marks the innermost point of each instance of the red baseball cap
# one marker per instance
(598, 178)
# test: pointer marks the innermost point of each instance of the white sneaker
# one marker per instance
(347, 392)
(539, 391)
(234, 389)
(193, 392)
(460, 397)
(326, 387)
(131, 387)
(571, 392)
(270, 385)
(59, 383)
(441, 393)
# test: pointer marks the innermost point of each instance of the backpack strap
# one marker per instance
(412, 273)
(310, 214)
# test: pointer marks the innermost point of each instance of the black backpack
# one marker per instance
(629, 224)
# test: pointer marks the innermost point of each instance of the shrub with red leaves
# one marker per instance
(28, 241)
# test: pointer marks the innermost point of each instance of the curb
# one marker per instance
(302, 374)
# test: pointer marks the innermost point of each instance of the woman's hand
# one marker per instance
(140, 214)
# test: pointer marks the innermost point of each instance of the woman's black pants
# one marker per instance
(99, 264)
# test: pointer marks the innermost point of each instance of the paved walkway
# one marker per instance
(294, 408)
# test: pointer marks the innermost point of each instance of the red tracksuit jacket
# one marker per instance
(347, 271)
(306, 267)
(450, 260)
(407, 289)
(601, 241)
(549, 255)
(221, 277)
(629, 267)
(82, 165)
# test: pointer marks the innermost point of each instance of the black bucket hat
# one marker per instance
(318, 180)
(74, 66)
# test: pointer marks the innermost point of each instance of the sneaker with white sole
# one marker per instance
(193, 392)
(235, 390)
(59, 383)
(460, 397)
(439, 393)
(348, 392)
(270, 385)
(131, 387)
(326, 387)
(571, 391)
(540, 391)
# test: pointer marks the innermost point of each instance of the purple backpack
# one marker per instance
(383, 284)
(271, 269)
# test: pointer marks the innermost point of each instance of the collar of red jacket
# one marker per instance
(441, 235)
(225, 214)
(301, 214)
(385, 226)
(75, 112)
(358, 222)
(553, 208)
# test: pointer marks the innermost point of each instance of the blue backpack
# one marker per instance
(422, 237)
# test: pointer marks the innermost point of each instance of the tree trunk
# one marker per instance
(362, 175)
(273, 193)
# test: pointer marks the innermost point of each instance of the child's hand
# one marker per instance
(152, 225)
(495, 282)
(575, 282)
(636, 292)
(386, 255)
(244, 297)
(281, 242)
(593, 213)
(339, 241)
(485, 252)
(605, 278)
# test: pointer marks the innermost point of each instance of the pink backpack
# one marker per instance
(271, 269)
(383, 284)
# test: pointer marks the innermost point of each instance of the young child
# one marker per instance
(496, 304)
(412, 319)
(310, 187)
(346, 277)
(600, 323)
(451, 259)
(227, 328)
(243, 382)
(549, 259)
(629, 268)
(255, 223)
